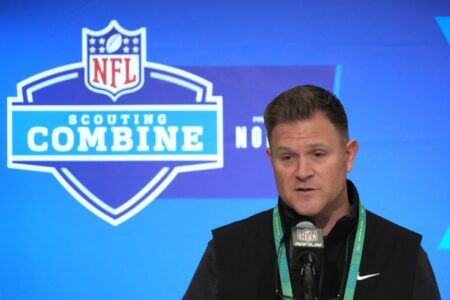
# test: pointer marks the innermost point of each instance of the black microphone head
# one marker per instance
(306, 235)
(307, 246)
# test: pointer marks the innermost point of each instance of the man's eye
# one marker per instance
(286, 157)
(318, 154)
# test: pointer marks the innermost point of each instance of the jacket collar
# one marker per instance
(345, 225)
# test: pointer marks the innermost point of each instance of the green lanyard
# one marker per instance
(354, 264)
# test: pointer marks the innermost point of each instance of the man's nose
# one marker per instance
(304, 170)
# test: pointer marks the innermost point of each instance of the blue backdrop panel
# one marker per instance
(133, 225)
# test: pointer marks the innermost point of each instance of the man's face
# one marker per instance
(311, 160)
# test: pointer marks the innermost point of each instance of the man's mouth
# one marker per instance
(305, 189)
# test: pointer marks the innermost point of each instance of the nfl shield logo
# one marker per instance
(307, 235)
(114, 60)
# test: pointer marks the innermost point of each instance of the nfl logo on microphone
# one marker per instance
(307, 235)
(115, 130)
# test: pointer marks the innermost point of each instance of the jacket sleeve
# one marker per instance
(425, 286)
(204, 284)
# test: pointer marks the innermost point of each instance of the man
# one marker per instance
(364, 255)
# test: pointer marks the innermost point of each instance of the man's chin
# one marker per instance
(309, 211)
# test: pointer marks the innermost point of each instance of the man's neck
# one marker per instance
(326, 222)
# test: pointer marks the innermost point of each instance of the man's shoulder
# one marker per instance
(389, 229)
(252, 224)
(245, 257)
(392, 251)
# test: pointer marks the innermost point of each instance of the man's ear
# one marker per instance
(351, 149)
(269, 153)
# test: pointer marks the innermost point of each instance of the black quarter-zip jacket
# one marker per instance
(240, 261)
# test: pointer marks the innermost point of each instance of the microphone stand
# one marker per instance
(308, 278)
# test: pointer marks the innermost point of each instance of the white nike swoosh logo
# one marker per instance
(366, 276)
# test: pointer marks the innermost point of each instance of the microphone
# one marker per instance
(307, 251)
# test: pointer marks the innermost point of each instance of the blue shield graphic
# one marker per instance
(115, 157)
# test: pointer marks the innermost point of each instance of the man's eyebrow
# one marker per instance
(315, 145)
(318, 145)
(282, 148)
